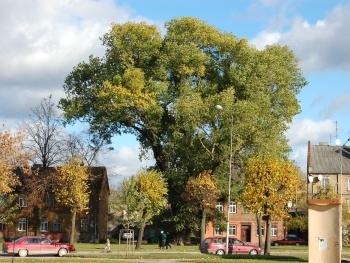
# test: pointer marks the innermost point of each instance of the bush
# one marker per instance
(195, 240)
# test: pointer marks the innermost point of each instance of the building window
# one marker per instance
(325, 182)
(50, 201)
(22, 224)
(274, 231)
(233, 207)
(84, 227)
(22, 200)
(217, 231)
(44, 225)
(245, 210)
(232, 230)
(56, 226)
(262, 231)
(2, 226)
(220, 207)
(348, 183)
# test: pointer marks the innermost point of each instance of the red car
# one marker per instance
(290, 240)
(36, 245)
(217, 245)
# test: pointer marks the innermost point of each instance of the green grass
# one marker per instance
(181, 254)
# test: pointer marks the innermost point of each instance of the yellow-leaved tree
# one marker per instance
(12, 159)
(201, 193)
(72, 189)
(153, 189)
(270, 182)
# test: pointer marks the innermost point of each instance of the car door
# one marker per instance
(32, 245)
(47, 246)
(238, 247)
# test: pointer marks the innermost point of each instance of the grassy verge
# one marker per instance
(179, 254)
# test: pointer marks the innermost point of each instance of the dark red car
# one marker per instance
(291, 240)
(36, 245)
(217, 245)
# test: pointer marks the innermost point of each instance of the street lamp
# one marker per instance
(219, 107)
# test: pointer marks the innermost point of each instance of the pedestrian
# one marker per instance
(168, 240)
(108, 245)
(162, 239)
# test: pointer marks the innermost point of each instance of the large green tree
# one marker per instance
(164, 88)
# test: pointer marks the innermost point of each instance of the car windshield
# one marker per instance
(19, 239)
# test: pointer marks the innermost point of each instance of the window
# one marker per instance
(44, 225)
(22, 200)
(274, 231)
(232, 230)
(262, 231)
(220, 207)
(348, 183)
(2, 226)
(325, 182)
(217, 231)
(22, 224)
(84, 227)
(50, 201)
(245, 210)
(56, 226)
(232, 207)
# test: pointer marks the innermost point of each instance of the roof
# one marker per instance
(326, 159)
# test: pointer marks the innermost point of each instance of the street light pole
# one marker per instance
(219, 107)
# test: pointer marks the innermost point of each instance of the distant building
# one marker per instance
(55, 221)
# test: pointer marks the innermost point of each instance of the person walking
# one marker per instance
(108, 245)
(167, 243)
(162, 239)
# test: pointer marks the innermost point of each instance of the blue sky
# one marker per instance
(43, 40)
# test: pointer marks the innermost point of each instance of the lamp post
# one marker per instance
(219, 107)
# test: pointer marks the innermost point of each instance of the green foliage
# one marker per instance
(163, 89)
(141, 197)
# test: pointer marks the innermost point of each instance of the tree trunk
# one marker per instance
(74, 213)
(203, 225)
(139, 238)
(259, 216)
(267, 236)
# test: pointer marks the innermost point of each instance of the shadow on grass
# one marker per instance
(266, 258)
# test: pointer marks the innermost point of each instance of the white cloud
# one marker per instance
(124, 161)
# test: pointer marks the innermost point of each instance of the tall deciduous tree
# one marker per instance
(45, 133)
(72, 189)
(163, 89)
(270, 182)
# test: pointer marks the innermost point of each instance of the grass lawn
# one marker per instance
(180, 254)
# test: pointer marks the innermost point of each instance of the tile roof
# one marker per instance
(325, 159)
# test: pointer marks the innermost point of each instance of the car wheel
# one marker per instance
(22, 253)
(220, 252)
(276, 244)
(62, 252)
(253, 252)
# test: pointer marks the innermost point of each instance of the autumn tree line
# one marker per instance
(162, 86)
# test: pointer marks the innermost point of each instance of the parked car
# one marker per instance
(290, 240)
(127, 233)
(36, 245)
(217, 245)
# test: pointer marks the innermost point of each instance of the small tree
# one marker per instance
(200, 193)
(72, 189)
(142, 197)
(269, 184)
(12, 155)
